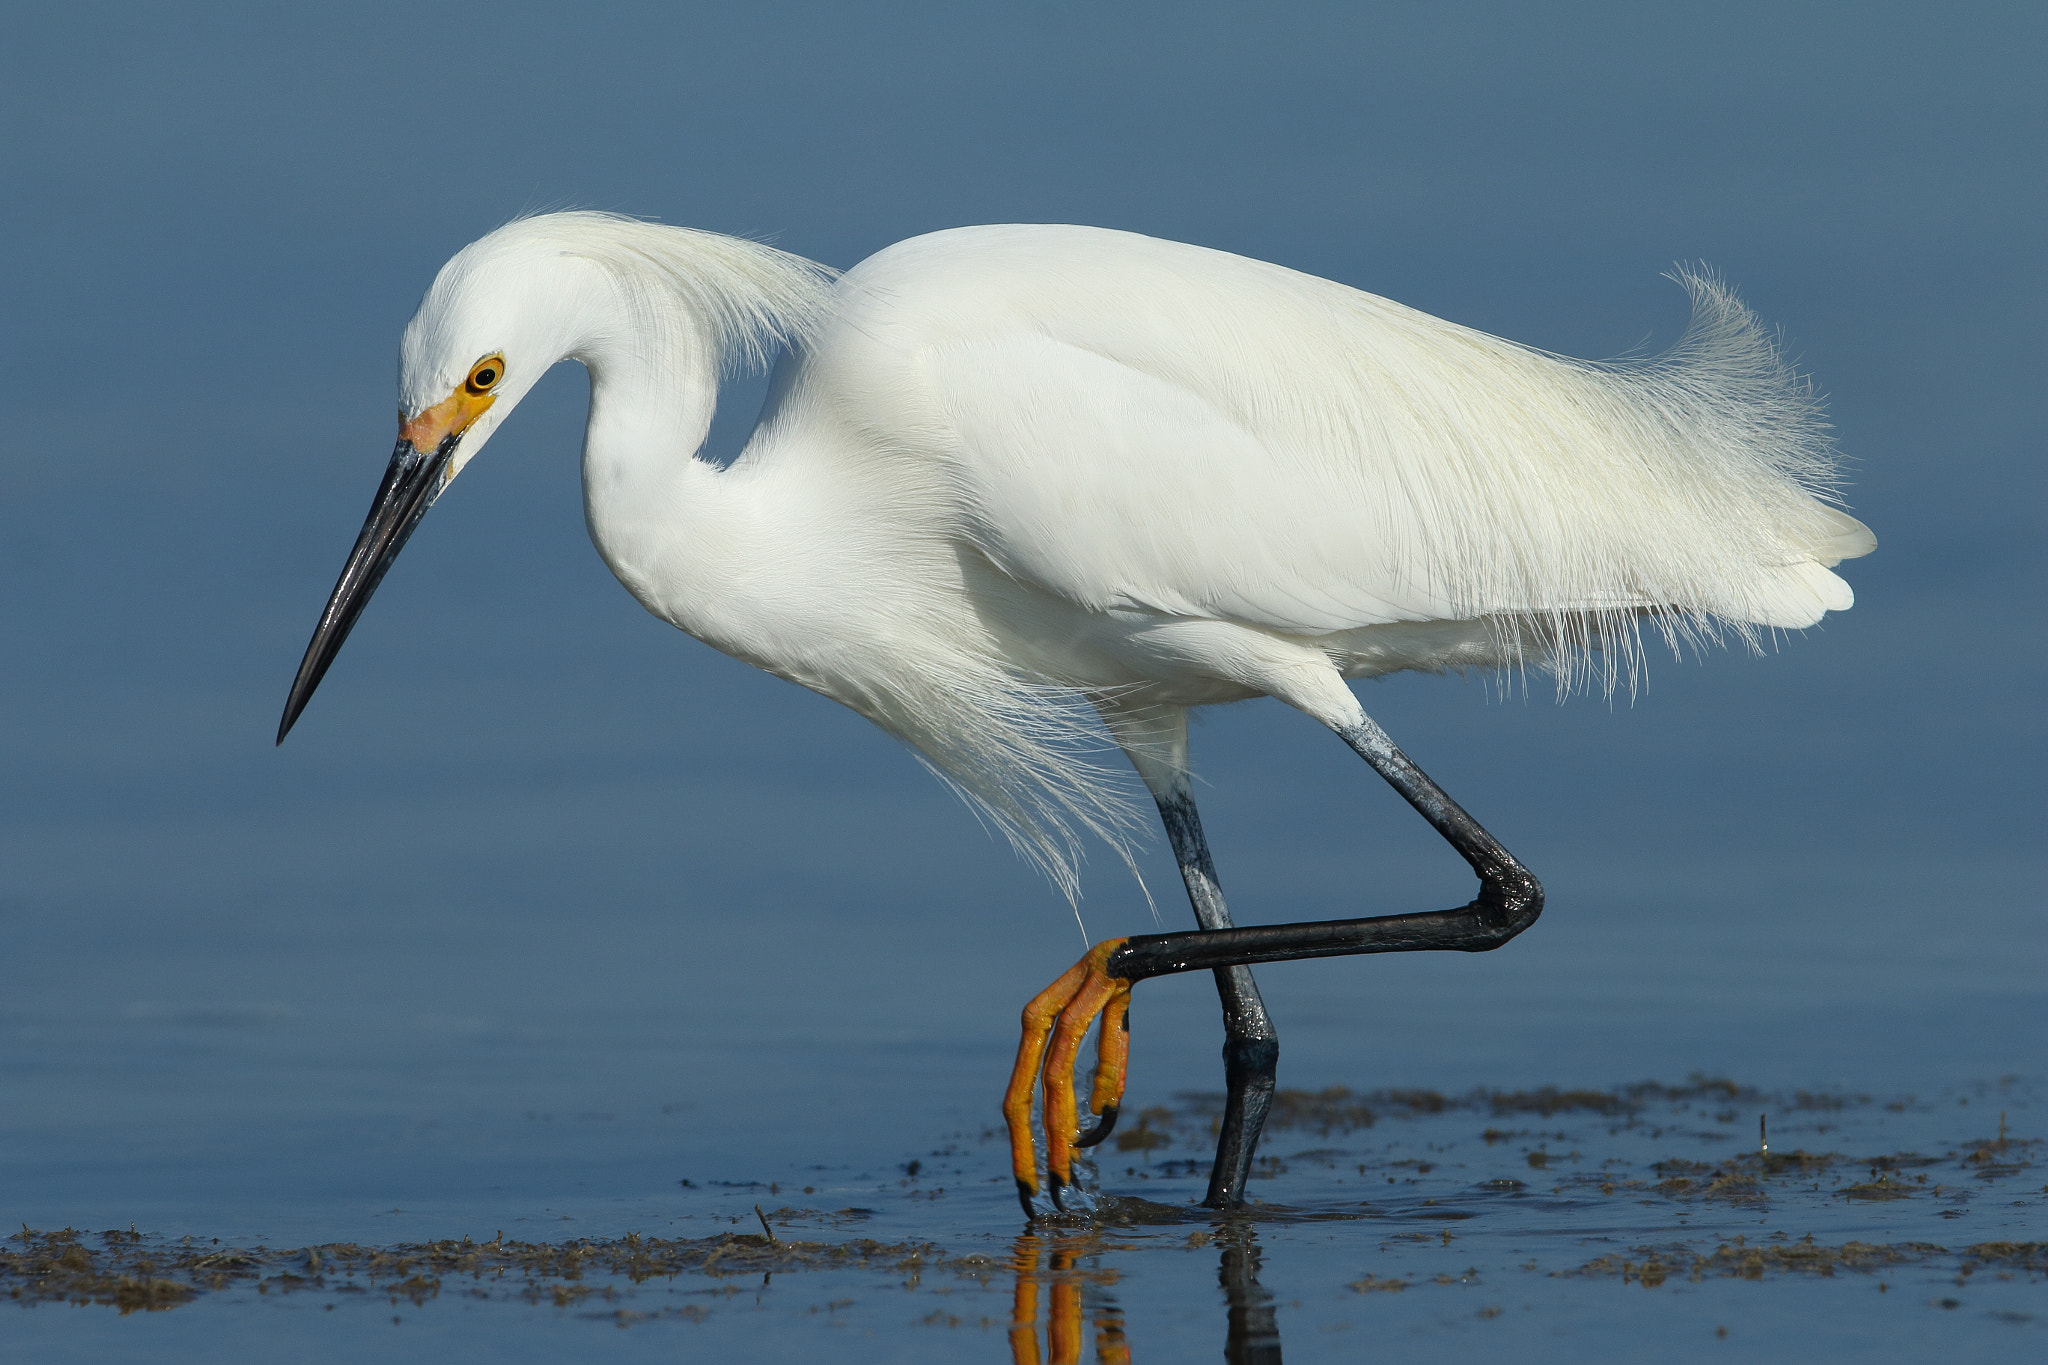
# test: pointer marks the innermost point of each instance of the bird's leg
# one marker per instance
(1058, 1018)
(1251, 1045)
(1155, 737)
(1509, 901)
(1509, 898)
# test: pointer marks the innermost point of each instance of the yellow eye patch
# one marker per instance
(453, 414)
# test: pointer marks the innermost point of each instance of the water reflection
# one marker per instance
(1254, 1333)
(1067, 1273)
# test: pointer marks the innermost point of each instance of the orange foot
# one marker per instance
(1054, 1023)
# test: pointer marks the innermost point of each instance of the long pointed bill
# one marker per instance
(410, 486)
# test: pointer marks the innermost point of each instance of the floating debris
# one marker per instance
(1374, 1285)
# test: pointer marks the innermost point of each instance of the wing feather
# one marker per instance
(1120, 489)
(1141, 424)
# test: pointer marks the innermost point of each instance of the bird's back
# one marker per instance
(1144, 425)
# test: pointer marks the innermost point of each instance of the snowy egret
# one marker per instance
(1012, 479)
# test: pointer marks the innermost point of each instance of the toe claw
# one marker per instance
(1104, 1125)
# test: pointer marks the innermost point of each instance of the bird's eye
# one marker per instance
(486, 374)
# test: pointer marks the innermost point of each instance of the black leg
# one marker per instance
(1508, 902)
(1251, 1046)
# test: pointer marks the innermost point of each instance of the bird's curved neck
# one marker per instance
(657, 513)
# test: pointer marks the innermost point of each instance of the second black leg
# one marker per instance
(1508, 902)
(1251, 1045)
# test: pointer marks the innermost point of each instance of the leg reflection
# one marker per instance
(1024, 1303)
(1071, 1270)
(1254, 1333)
(1067, 1274)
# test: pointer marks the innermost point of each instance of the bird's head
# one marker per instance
(672, 302)
(498, 316)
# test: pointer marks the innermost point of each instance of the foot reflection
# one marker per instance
(1071, 1272)
(1068, 1274)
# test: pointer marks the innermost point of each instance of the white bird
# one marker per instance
(1012, 479)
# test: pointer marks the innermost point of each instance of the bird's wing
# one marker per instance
(1118, 488)
(1142, 424)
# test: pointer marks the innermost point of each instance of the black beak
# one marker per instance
(410, 486)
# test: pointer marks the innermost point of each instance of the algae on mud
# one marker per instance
(1486, 1204)
(133, 1273)
(1652, 1266)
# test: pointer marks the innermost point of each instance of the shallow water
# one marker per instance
(1548, 1222)
(506, 1014)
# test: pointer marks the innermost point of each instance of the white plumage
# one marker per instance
(1008, 472)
